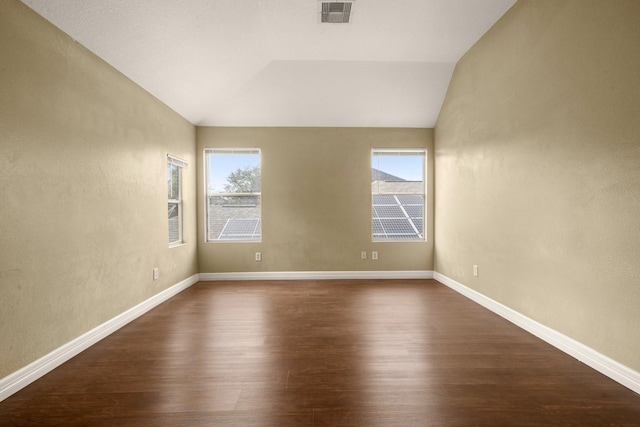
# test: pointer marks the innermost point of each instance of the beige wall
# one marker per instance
(538, 170)
(316, 203)
(83, 213)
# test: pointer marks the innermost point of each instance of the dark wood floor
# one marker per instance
(324, 353)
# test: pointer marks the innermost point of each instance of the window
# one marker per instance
(397, 195)
(174, 185)
(233, 194)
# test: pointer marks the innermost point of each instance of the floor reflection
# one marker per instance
(396, 327)
(212, 358)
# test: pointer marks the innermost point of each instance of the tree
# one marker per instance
(244, 180)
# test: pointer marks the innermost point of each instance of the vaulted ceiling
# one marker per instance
(273, 63)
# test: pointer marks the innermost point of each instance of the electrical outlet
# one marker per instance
(156, 273)
(258, 256)
(475, 270)
(374, 255)
(363, 255)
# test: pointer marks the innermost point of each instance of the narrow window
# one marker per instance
(233, 194)
(397, 195)
(174, 185)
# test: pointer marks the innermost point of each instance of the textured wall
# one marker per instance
(316, 211)
(537, 170)
(83, 213)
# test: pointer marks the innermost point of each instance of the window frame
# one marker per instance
(179, 165)
(401, 151)
(208, 195)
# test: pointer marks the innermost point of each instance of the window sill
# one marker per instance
(232, 241)
(399, 241)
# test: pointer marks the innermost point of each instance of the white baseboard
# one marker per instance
(317, 275)
(601, 363)
(25, 376)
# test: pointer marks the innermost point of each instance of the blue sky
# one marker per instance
(221, 165)
(407, 167)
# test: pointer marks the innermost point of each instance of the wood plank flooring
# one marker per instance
(322, 353)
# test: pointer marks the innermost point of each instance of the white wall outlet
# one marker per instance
(156, 273)
(475, 270)
(374, 255)
(363, 255)
(258, 256)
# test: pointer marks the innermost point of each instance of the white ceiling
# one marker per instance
(272, 63)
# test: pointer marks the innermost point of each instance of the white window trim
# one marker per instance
(173, 160)
(239, 150)
(403, 151)
(176, 161)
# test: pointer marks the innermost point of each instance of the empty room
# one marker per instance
(308, 212)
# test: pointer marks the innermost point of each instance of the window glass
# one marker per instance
(397, 195)
(233, 194)
(174, 195)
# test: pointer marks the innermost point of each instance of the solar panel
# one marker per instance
(235, 218)
(241, 229)
(388, 211)
(397, 226)
(407, 199)
(384, 200)
(397, 217)
(377, 228)
(414, 211)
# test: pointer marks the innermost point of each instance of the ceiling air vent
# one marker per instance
(335, 12)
